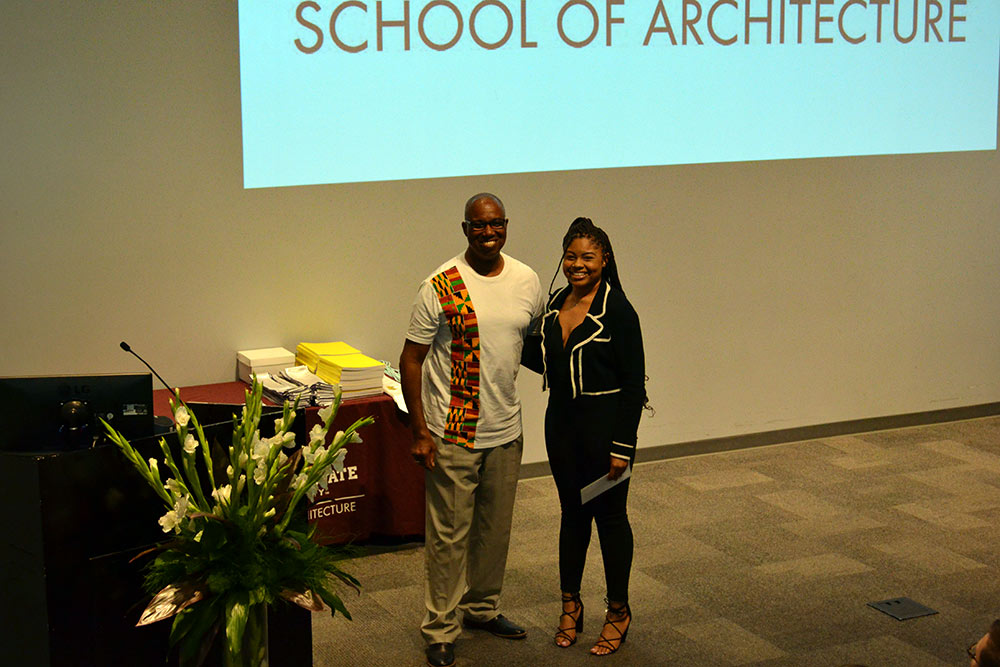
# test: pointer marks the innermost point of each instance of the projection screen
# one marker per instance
(336, 92)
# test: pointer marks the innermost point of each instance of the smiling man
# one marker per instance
(459, 369)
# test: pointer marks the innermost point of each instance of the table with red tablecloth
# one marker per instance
(380, 492)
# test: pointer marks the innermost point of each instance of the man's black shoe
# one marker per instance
(499, 626)
(441, 655)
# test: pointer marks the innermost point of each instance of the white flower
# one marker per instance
(339, 436)
(288, 440)
(243, 459)
(300, 480)
(338, 460)
(324, 413)
(260, 472)
(153, 467)
(181, 507)
(230, 472)
(272, 443)
(169, 521)
(240, 483)
(282, 458)
(190, 444)
(317, 435)
(312, 492)
(260, 450)
(356, 438)
(181, 415)
(257, 447)
(222, 494)
(309, 454)
(271, 512)
(279, 424)
(173, 487)
(260, 456)
(318, 454)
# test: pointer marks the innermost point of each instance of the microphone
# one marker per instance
(125, 346)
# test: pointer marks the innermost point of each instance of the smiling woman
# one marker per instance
(582, 263)
(591, 357)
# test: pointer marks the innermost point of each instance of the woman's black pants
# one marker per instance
(578, 442)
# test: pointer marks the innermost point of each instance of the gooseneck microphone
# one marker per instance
(125, 346)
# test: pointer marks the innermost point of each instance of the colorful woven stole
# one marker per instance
(463, 411)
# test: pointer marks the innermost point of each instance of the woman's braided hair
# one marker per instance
(585, 228)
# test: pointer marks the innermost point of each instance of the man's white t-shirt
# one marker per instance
(475, 326)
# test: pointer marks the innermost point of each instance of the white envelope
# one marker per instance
(600, 485)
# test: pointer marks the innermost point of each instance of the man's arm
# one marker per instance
(411, 361)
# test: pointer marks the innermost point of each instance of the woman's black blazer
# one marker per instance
(606, 358)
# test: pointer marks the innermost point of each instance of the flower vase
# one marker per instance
(252, 651)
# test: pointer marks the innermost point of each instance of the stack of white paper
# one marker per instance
(279, 389)
(322, 393)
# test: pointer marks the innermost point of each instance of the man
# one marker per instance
(459, 366)
(986, 652)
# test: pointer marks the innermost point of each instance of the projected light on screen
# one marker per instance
(336, 92)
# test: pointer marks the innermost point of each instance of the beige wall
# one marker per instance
(772, 294)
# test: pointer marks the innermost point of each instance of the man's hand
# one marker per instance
(424, 451)
(618, 466)
(411, 361)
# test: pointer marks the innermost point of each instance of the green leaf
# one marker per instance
(213, 536)
(171, 600)
(347, 579)
(181, 626)
(237, 608)
(195, 628)
(333, 601)
(258, 596)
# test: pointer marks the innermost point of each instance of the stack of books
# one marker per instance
(299, 383)
(322, 393)
(277, 388)
(339, 363)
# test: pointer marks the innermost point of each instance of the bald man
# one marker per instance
(459, 369)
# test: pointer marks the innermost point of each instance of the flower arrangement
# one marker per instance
(237, 545)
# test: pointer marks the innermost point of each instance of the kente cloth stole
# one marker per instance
(463, 411)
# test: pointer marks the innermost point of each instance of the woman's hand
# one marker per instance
(618, 466)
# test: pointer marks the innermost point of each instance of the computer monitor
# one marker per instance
(59, 413)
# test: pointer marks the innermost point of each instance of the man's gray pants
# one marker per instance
(470, 500)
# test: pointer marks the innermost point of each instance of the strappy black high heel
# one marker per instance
(615, 617)
(575, 614)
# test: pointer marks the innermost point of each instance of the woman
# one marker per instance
(590, 355)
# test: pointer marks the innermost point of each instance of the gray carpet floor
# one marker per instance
(762, 556)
